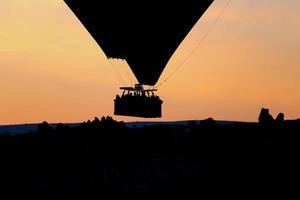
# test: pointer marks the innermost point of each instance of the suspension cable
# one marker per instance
(120, 78)
(197, 46)
(127, 73)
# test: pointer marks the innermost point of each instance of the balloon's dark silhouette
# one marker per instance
(144, 33)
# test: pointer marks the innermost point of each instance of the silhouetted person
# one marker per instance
(280, 118)
(265, 117)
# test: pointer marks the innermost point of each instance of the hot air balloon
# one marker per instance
(145, 34)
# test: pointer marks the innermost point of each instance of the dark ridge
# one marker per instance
(104, 155)
(26, 128)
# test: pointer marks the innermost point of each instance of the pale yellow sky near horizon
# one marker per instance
(51, 68)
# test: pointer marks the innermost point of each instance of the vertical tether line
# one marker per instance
(120, 78)
(197, 46)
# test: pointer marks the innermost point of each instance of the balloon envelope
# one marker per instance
(145, 33)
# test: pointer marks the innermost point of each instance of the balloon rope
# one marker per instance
(130, 80)
(197, 46)
(117, 72)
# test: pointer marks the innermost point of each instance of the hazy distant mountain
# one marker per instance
(175, 123)
(25, 128)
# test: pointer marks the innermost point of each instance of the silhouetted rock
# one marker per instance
(209, 122)
(280, 118)
(265, 118)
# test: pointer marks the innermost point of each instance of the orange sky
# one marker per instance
(51, 68)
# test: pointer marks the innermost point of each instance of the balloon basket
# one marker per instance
(137, 102)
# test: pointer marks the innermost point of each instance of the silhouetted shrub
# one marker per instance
(280, 118)
(44, 128)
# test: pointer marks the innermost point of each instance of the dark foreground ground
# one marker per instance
(104, 155)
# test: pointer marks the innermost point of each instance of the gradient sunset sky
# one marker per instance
(51, 68)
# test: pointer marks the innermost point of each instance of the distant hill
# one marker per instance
(25, 128)
(176, 123)
(102, 155)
